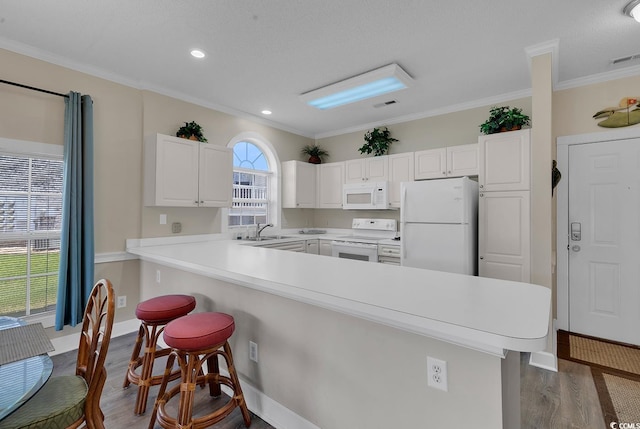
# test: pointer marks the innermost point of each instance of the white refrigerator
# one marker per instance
(438, 225)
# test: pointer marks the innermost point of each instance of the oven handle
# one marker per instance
(354, 244)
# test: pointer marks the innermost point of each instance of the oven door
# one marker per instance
(358, 251)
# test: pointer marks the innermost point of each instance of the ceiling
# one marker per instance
(263, 54)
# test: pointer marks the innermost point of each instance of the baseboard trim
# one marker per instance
(70, 342)
(544, 360)
(272, 412)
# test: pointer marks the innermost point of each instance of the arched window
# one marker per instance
(251, 187)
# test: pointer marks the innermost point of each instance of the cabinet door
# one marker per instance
(354, 171)
(330, 181)
(504, 235)
(216, 176)
(431, 164)
(313, 246)
(325, 247)
(298, 184)
(377, 168)
(462, 160)
(505, 161)
(171, 171)
(401, 169)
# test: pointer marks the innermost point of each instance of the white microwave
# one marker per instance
(365, 196)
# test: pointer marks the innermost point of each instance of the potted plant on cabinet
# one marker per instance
(504, 118)
(377, 141)
(191, 131)
(315, 153)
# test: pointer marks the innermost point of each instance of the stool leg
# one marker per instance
(238, 396)
(147, 368)
(134, 356)
(214, 368)
(191, 367)
(163, 388)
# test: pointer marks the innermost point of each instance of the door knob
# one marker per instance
(575, 248)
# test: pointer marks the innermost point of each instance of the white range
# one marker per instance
(362, 244)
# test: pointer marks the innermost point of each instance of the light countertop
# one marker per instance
(484, 314)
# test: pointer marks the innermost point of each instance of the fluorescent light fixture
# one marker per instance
(633, 10)
(370, 84)
(197, 53)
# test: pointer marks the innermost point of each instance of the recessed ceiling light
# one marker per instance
(197, 53)
(266, 112)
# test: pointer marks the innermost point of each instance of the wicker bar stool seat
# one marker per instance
(154, 314)
(196, 339)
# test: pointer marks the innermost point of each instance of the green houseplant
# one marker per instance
(191, 131)
(504, 118)
(315, 153)
(377, 141)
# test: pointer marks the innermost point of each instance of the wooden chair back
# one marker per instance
(94, 344)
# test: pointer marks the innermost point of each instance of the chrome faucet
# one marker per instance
(259, 230)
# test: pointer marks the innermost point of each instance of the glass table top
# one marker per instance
(21, 379)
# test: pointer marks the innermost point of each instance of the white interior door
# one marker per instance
(604, 240)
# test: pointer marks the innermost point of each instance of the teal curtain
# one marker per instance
(75, 275)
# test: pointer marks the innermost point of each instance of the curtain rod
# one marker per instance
(34, 88)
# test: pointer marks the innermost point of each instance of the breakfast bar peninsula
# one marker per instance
(345, 343)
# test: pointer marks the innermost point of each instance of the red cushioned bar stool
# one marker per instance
(154, 314)
(196, 339)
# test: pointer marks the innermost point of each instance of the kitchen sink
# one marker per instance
(268, 237)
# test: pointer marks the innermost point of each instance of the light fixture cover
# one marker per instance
(370, 84)
(633, 10)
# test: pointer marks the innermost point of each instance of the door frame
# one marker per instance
(562, 211)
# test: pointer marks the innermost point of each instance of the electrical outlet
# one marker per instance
(437, 374)
(176, 227)
(253, 351)
(122, 301)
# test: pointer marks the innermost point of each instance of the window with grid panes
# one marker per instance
(30, 219)
(250, 204)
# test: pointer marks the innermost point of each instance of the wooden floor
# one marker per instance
(563, 400)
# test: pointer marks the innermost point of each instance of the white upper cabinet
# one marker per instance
(453, 161)
(505, 161)
(401, 169)
(374, 169)
(462, 160)
(186, 173)
(298, 184)
(330, 181)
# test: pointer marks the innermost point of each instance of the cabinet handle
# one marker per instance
(201, 202)
(449, 171)
(482, 195)
(481, 257)
(482, 186)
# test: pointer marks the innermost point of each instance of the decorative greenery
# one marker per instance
(377, 141)
(504, 118)
(191, 129)
(316, 153)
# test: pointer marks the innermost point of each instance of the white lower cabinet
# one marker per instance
(324, 247)
(292, 246)
(504, 240)
(389, 254)
(313, 246)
